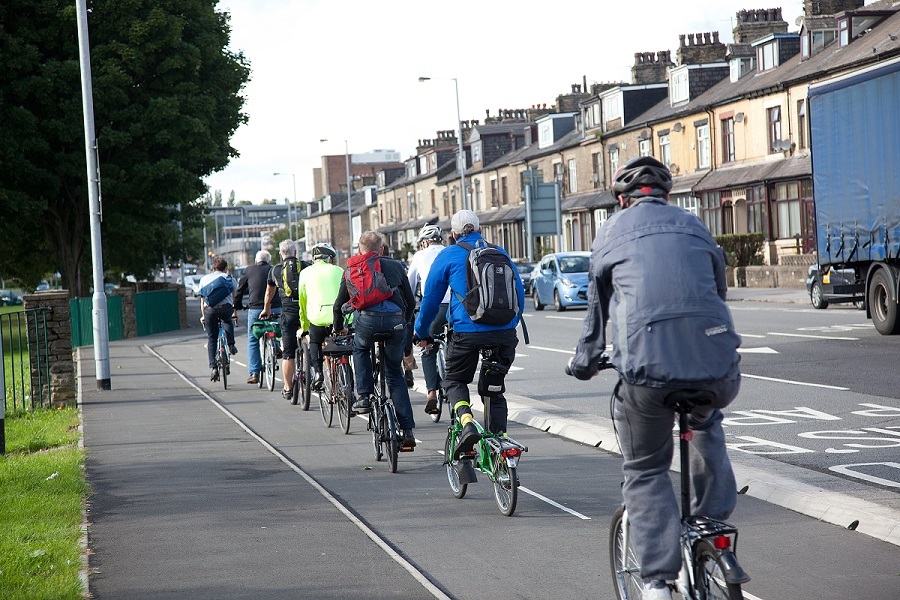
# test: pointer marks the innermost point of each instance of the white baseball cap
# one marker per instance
(464, 217)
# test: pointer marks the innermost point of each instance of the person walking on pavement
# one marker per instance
(319, 285)
(658, 277)
(284, 280)
(217, 310)
(253, 285)
(450, 270)
(387, 316)
(431, 238)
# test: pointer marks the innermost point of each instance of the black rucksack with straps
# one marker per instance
(492, 297)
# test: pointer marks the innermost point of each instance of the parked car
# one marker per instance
(192, 285)
(561, 279)
(42, 287)
(833, 286)
(9, 298)
(525, 269)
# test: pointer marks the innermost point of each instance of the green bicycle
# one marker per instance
(495, 455)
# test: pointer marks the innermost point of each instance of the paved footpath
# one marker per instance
(175, 514)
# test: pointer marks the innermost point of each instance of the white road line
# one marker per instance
(564, 318)
(776, 380)
(379, 541)
(547, 500)
(815, 337)
(551, 349)
(751, 335)
(760, 350)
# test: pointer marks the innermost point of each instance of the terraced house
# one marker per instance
(730, 120)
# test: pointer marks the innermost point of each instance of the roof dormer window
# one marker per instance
(767, 56)
(741, 66)
(844, 31)
(679, 90)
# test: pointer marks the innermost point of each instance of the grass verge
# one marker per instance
(42, 493)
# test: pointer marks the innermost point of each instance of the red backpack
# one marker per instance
(365, 281)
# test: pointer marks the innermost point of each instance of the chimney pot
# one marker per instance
(681, 40)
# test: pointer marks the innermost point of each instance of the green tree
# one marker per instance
(167, 99)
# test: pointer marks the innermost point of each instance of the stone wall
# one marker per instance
(773, 276)
(61, 384)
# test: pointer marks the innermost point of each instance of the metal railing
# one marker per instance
(25, 359)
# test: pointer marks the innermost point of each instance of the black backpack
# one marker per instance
(290, 276)
(492, 297)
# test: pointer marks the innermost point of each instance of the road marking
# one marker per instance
(760, 350)
(547, 500)
(776, 380)
(815, 337)
(564, 318)
(370, 533)
(751, 335)
(846, 470)
(552, 349)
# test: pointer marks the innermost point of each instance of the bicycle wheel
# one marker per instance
(623, 562)
(374, 424)
(325, 401)
(506, 486)
(305, 373)
(345, 396)
(391, 439)
(441, 395)
(709, 579)
(269, 362)
(261, 376)
(223, 367)
(458, 489)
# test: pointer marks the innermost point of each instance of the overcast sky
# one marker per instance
(348, 69)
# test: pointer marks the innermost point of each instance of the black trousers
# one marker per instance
(462, 360)
(317, 335)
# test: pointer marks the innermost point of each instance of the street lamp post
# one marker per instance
(461, 159)
(290, 218)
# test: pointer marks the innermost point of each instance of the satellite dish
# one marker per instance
(799, 21)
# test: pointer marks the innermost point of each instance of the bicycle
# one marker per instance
(440, 341)
(223, 357)
(301, 382)
(267, 331)
(709, 566)
(383, 416)
(494, 454)
(338, 380)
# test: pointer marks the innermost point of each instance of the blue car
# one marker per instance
(561, 279)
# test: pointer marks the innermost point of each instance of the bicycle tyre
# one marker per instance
(305, 374)
(391, 439)
(223, 367)
(345, 396)
(261, 376)
(623, 562)
(270, 363)
(376, 433)
(506, 487)
(326, 400)
(709, 578)
(458, 489)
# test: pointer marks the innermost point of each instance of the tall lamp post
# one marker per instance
(290, 218)
(461, 159)
(349, 204)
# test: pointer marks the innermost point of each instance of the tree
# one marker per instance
(231, 198)
(167, 99)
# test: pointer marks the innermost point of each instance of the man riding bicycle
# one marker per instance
(658, 277)
(431, 238)
(449, 270)
(283, 279)
(319, 284)
(388, 316)
(253, 284)
(217, 310)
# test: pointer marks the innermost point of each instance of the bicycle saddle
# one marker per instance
(684, 401)
(382, 337)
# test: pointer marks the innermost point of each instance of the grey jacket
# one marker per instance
(658, 277)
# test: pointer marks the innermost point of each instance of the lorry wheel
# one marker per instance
(815, 296)
(882, 306)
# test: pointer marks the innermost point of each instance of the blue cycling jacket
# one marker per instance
(449, 270)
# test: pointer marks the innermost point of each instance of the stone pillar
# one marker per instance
(61, 382)
(129, 321)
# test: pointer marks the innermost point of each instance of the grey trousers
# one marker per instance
(646, 439)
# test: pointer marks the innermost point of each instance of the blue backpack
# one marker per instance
(217, 290)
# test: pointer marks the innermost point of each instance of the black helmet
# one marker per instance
(640, 173)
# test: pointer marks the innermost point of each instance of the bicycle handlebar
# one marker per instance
(603, 365)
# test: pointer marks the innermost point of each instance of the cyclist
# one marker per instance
(221, 312)
(431, 239)
(319, 285)
(449, 270)
(253, 284)
(657, 275)
(387, 316)
(283, 279)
